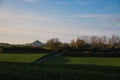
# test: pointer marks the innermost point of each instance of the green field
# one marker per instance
(58, 67)
(29, 71)
(85, 61)
(20, 57)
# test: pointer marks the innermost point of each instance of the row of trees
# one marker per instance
(7, 48)
(81, 45)
(87, 44)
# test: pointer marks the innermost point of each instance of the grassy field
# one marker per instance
(28, 71)
(20, 57)
(58, 68)
(85, 61)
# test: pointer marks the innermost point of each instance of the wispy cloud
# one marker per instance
(86, 2)
(62, 3)
(30, 0)
(105, 21)
(46, 24)
(28, 25)
(114, 18)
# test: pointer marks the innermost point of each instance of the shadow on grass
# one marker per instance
(57, 60)
(45, 57)
(30, 71)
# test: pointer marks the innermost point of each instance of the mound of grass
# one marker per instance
(113, 61)
(20, 57)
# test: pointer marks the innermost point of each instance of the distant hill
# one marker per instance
(36, 43)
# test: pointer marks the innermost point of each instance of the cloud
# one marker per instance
(30, 0)
(27, 25)
(118, 24)
(62, 3)
(86, 2)
(103, 21)
(111, 17)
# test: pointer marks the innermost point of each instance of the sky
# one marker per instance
(23, 21)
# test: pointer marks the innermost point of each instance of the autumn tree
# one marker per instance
(79, 43)
(54, 44)
(72, 43)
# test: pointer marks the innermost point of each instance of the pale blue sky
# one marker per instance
(23, 21)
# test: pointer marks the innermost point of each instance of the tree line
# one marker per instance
(8, 48)
(81, 46)
(87, 46)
